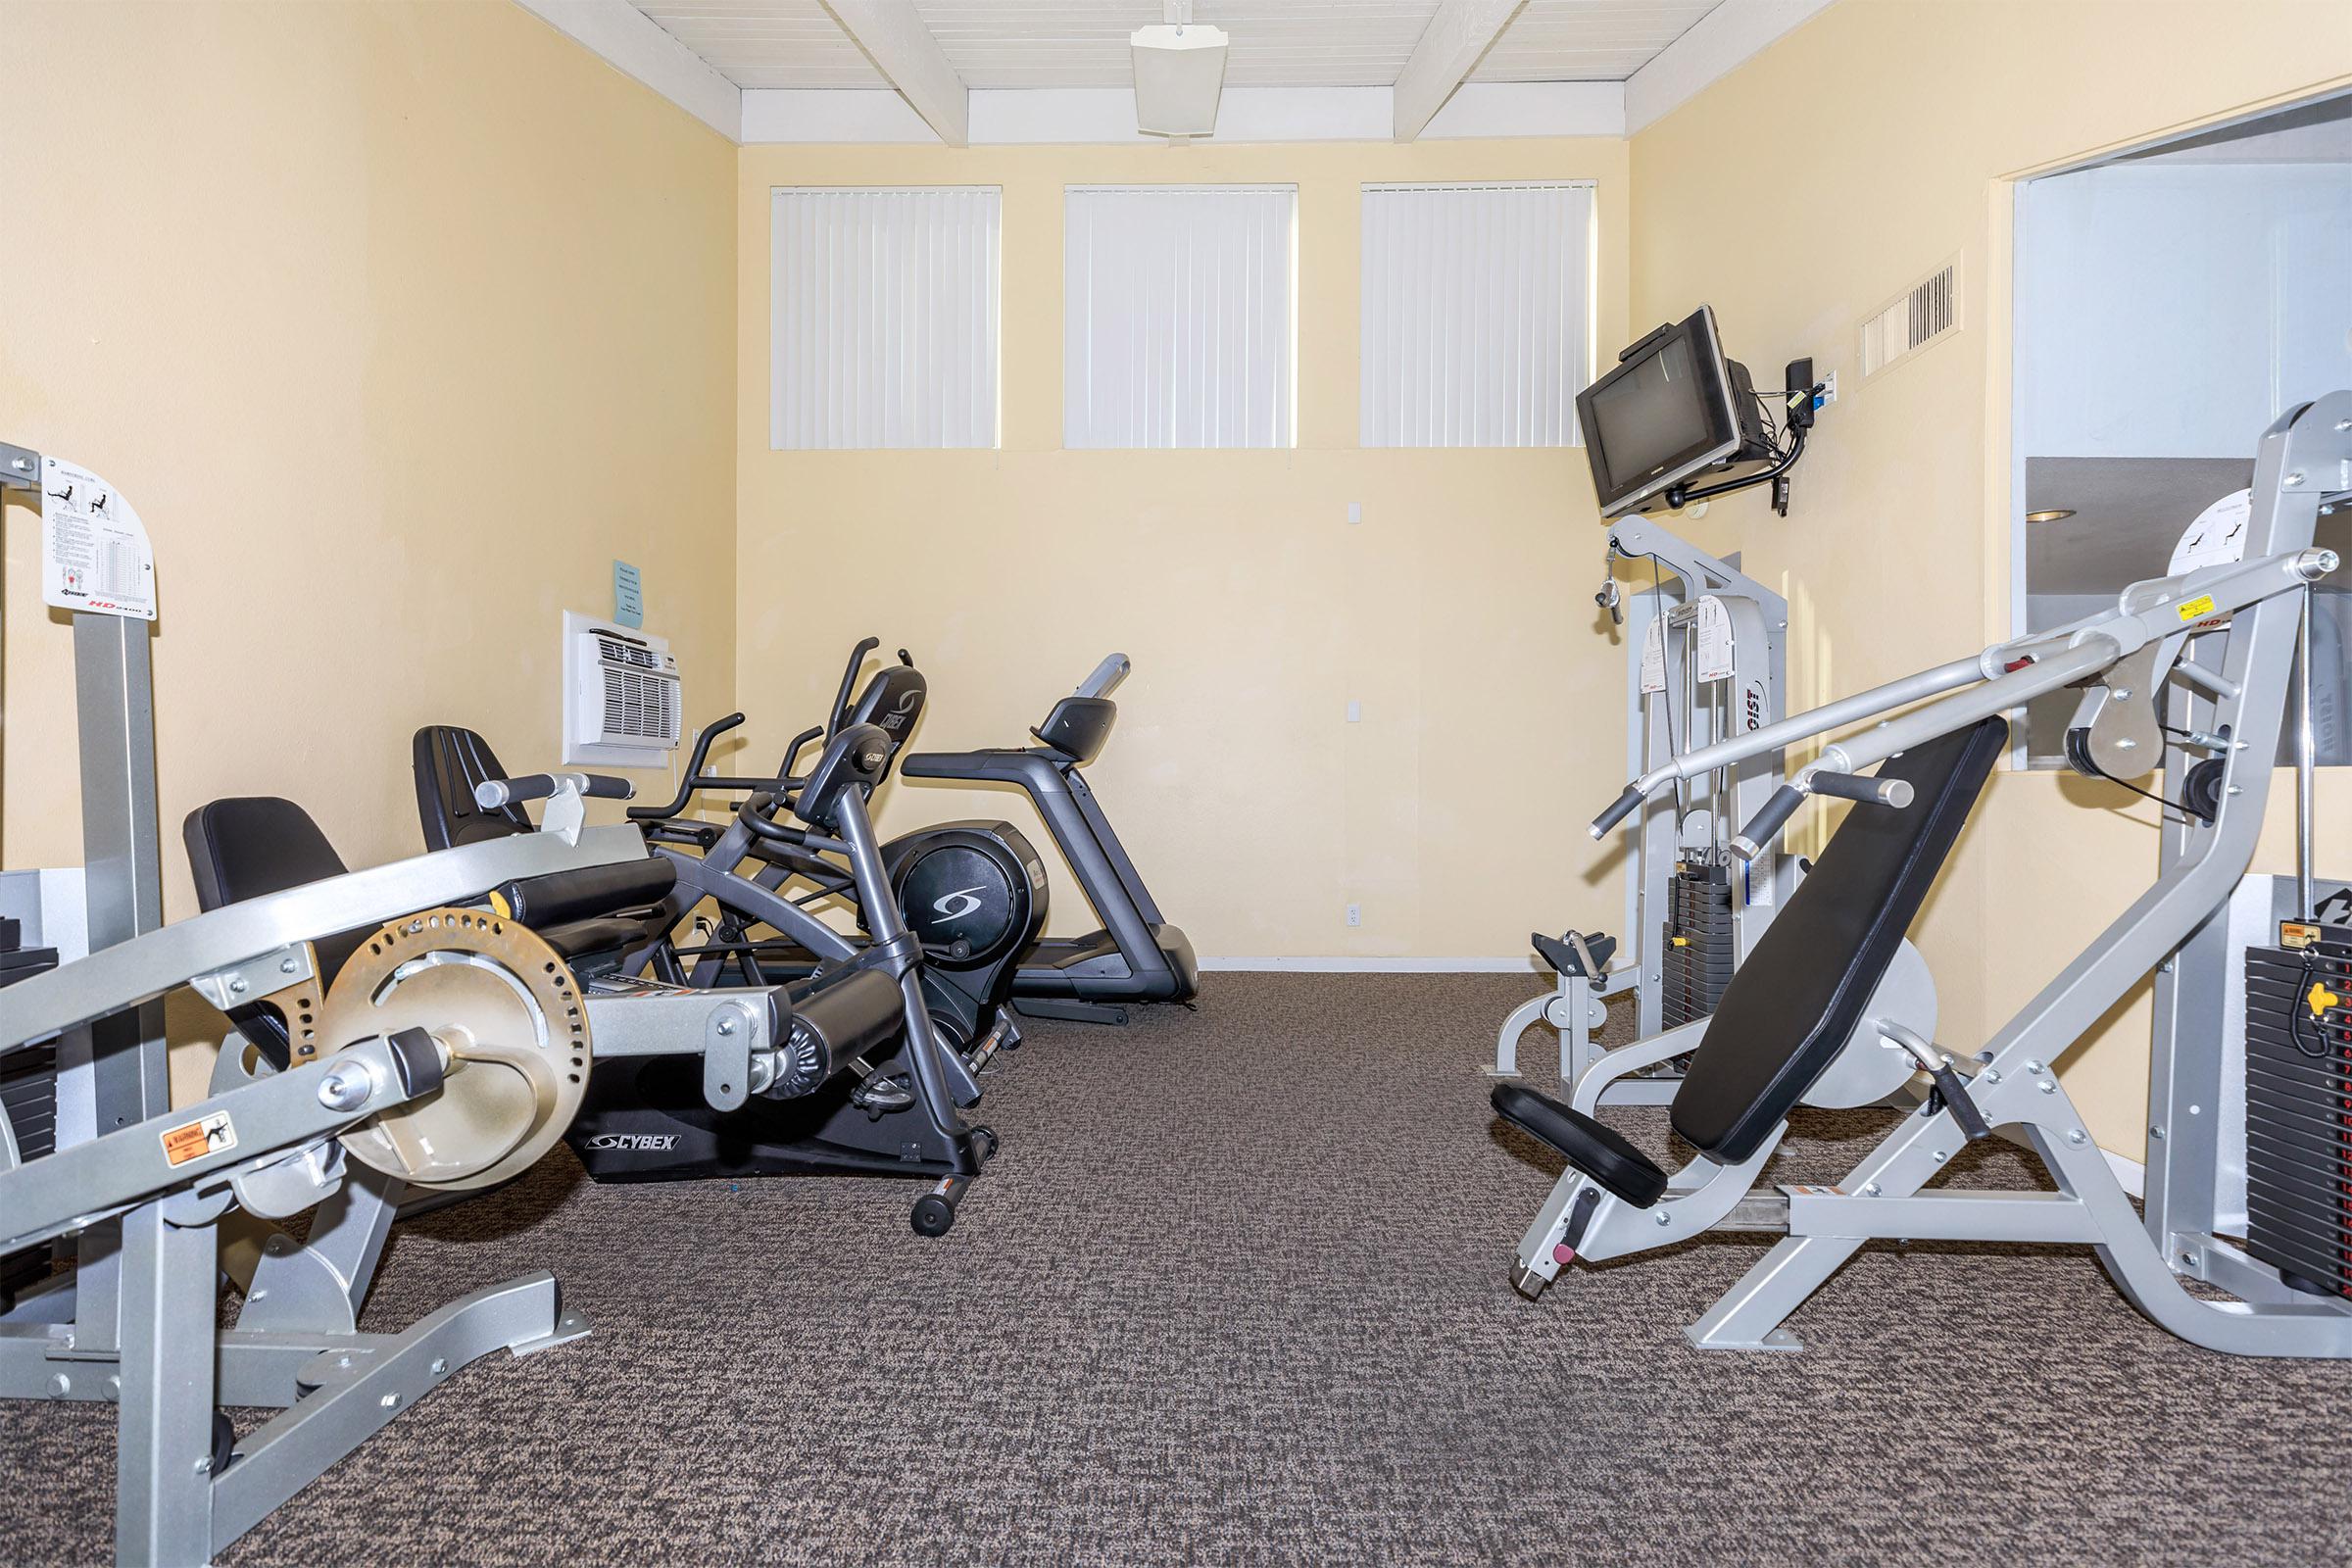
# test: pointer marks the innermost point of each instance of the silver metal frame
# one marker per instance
(1659, 726)
(2223, 642)
(137, 1321)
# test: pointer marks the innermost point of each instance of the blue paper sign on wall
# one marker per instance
(628, 597)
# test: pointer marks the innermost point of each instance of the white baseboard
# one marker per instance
(1378, 965)
(2130, 1172)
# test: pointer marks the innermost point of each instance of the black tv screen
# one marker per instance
(1660, 416)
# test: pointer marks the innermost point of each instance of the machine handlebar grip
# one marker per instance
(1619, 810)
(1869, 791)
(1766, 824)
(492, 792)
(1964, 1110)
(1106, 674)
(694, 770)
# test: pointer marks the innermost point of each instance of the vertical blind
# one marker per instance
(884, 317)
(1177, 325)
(1477, 314)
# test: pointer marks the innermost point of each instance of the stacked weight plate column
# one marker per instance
(1699, 944)
(2299, 1113)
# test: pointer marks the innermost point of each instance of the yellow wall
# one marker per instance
(397, 324)
(1458, 613)
(1897, 543)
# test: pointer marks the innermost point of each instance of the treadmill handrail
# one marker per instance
(1037, 767)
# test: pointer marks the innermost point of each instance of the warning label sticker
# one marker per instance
(196, 1139)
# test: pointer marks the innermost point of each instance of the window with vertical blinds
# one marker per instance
(1177, 329)
(883, 326)
(1477, 314)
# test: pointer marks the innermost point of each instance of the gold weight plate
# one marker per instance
(507, 1010)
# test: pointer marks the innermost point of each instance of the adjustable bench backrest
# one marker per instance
(1793, 1002)
(449, 762)
(251, 846)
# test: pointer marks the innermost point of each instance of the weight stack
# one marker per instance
(1699, 944)
(2299, 1113)
(28, 1095)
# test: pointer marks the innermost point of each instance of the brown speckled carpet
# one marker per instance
(1236, 1292)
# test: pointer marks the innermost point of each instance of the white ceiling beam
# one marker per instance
(1456, 37)
(892, 36)
(633, 42)
(1716, 44)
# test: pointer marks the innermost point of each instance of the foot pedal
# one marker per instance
(879, 1096)
(1573, 954)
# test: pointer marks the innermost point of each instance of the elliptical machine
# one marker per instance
(973, 893)
(893, 1110)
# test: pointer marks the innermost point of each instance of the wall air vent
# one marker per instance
(1918, 315)
(621, 703)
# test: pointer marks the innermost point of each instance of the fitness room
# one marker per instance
(1149, 782)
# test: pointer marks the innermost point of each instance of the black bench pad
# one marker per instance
(1591, 1148)
(1792, 1006)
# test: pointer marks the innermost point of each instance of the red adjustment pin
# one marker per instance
(1563, 1253)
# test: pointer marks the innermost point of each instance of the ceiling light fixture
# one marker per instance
(1179, 75)
(2054, 514)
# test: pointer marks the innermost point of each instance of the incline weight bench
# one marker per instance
(1821, 1005)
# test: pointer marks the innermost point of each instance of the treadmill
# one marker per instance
(1136, 956)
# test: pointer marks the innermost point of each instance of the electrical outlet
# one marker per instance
(1828, 391)
(1355, 512)
(1355, 711)
(1355, 915)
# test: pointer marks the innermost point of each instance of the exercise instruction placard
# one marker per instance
(94, 552)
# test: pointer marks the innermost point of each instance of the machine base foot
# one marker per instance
(1773, 1340)
(1069, 1010)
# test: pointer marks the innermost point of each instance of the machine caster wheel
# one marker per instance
(933, 1215)
(225, 1444)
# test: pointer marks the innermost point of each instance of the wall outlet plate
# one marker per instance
(1355, 915)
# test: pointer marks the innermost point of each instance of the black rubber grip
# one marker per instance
(496, 792)
(1619, 810)
(491, 794)
(1964, 1110)
(1766, 824)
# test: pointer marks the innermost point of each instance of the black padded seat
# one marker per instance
(1790, 1008)
(449, 762)
(246, 848)
(1598, 1150)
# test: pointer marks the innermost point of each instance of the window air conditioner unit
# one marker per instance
(621, 703)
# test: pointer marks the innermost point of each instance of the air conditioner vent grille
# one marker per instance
(639, 707)
(623, 704)
(613, 651)
(1921, 315)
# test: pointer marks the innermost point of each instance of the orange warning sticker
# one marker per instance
(194, 1140)
(2296, 935)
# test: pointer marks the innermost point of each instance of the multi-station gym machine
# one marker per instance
(1709, 647)
(449, 1054)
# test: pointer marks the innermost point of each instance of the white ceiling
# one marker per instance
(1083, 44)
